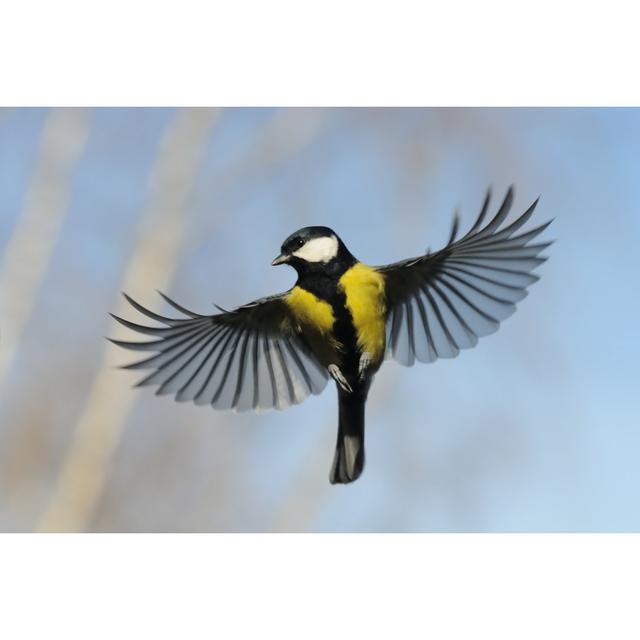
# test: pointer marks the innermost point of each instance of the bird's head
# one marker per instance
(314, 249)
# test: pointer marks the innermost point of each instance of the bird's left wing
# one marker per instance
(443, 302)
(249, 358)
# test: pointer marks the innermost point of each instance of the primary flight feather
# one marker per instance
(341, 319)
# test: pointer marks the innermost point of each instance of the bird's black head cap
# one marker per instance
(313, 249)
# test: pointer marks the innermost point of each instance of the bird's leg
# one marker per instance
(365, 361)
(336, 374)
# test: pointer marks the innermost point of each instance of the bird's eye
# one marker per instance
(299, 242)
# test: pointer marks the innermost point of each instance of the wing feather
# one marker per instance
(249, 358)
(441, 303)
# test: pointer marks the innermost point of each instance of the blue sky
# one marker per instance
(536, 429)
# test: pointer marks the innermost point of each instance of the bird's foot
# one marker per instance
(336, 374)
(363, 365)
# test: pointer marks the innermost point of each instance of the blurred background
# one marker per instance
(536, 429)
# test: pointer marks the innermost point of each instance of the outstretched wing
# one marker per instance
(250, 358)
(443, 302)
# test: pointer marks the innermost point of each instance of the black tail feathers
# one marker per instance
(348, 461)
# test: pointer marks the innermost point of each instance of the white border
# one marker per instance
(286, 52)
(320, 586)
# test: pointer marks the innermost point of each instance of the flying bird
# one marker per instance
(341, 320)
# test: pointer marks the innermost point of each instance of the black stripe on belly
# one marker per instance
(344, 330)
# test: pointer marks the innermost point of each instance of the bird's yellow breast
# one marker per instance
(363, 287)
(310, 310)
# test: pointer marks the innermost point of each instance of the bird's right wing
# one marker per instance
(440, 303)
(249, 358)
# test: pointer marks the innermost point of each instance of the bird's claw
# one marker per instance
(365, 362)
(337, 375)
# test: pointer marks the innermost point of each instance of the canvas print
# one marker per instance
(318, 320)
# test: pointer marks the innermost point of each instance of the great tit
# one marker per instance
(341, 319)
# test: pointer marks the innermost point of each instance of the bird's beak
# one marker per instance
(281, 259)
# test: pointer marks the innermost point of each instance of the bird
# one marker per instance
(340, 321)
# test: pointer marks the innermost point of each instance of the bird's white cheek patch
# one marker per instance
(318, 250)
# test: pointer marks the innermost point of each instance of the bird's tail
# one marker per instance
(348, 461)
